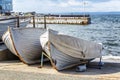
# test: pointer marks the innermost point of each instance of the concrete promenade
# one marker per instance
(16, 70)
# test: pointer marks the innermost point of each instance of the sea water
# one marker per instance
(103, 29)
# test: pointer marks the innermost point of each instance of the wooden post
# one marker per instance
(44, 21)
(18, 22)
(42, 60)
(33, 21)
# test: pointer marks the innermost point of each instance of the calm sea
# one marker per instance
(104, 29)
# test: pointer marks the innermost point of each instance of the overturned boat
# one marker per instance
(66, 51)
(11, 23)
(4, 25)
(24, 43)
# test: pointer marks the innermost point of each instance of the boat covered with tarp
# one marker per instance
(67, 51)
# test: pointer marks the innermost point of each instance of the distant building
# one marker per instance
(6, 6)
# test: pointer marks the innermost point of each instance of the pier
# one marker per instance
(63, 19)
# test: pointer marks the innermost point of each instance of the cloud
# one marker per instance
(111, 5)
(48, 6)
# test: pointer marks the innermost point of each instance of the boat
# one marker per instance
(11, 23)
(24, 43)
(67, 51)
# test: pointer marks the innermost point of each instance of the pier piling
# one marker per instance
(33, 21)
(44, 21)
(18, 22)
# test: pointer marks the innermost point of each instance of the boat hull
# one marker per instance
(67, 51)
(24, 43)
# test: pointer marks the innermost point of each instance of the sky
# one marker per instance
(63, 6)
